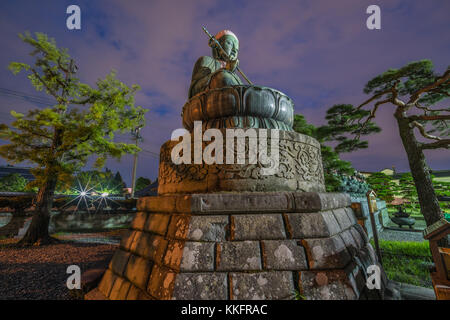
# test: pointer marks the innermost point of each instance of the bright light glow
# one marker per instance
(83, 193)
(105, 194)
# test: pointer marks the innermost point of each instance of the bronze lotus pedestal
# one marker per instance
(226, 231)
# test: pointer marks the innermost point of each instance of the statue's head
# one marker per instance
(229, 43)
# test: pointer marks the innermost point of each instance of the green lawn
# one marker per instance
(407, 262)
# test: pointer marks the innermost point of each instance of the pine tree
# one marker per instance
(59, 139)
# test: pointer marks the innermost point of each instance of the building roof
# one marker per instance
(23, 171)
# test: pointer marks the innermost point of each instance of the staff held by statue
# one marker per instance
(224, 53)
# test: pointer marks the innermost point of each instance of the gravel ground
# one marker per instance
(394, 235)
(40, 272)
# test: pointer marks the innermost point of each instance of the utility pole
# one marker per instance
(137, 136)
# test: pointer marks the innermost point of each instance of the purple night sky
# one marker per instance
(319, 53)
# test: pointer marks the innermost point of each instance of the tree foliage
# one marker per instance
(13, 182)
(142, 182)
(383, 185)
(83, 122)
(415, 92)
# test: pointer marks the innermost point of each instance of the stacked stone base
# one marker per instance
(242, 246)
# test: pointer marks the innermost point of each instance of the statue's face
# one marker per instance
(230, 45)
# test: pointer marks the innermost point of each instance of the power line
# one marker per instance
(27, 97)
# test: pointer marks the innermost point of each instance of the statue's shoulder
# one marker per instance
(204, 61)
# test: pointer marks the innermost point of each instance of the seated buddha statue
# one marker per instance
(216, 72)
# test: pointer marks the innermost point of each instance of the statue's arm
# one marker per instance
(202, 68)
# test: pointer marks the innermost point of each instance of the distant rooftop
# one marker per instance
(23, 171)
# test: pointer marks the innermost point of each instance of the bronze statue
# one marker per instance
(217, 71)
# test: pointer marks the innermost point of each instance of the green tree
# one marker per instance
(59, 139)
(383, 185)
(13, 182)
(413, 91)
(407, 189)
(141, 183)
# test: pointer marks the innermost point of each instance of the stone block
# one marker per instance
(107, 282)
(208, 228)
(119, 262)
(326, 253)
(133, 293)
(179, 226)
(157, 223)
(136, 239)
(349, 241)
(254, 202)
(258, 227)
(161, 282)
(138, 222)
(359, 239)
(283, 255)
(174, 254)
(238, 256)
(138, 271)
(127, 239)
(351, 215)
(325, 285)
(201, 286)
(198, 256)
(313, 224)
(120, 289)
(262, 286)
(316, 201)
(151, 246)
(342, 218)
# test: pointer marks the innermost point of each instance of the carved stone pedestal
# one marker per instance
(241, 246)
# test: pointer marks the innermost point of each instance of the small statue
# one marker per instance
(218, 71)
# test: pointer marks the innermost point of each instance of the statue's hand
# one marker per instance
(232, 65)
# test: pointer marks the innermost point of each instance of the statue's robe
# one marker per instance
(210, 73)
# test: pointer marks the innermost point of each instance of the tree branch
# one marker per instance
(417, 104)
(428, 118)
(423, 132)
(436, 145)
(439, 80)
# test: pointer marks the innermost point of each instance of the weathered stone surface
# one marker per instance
(120, 289)
(244, 202)
(138, 271)
(95, 294)
(238, 256)
(258, 227)
(325, 285)
(359, 239)
(200, 286)
(127, 239)
(139, 220)
(326, 253)
(208, 228)
(198, 256)
(293, 173)
(152, 247)
(342, 218)
(283, 255)
(179, 226)
(313, 224)
(174, 254)
(255, 202)
(349, 241)
(161, 282)
(262, 286)
(351, 215)
(157, 223)
(107, 283)
(119, 262)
